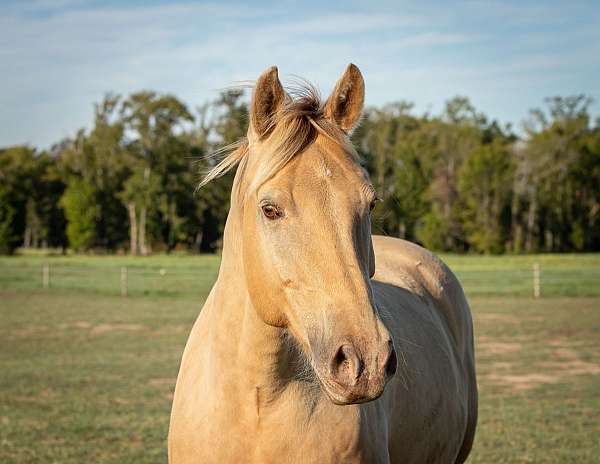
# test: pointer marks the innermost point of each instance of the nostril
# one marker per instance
(391, 364)
(346, 366)
(341, 360)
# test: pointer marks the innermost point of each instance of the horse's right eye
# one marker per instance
(271, 212)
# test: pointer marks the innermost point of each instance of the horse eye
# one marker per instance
(271, 211)
(373, 204)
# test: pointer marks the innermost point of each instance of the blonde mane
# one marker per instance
(292, 129)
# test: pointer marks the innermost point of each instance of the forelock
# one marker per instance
(293, 128)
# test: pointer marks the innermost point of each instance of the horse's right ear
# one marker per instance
(267, 98)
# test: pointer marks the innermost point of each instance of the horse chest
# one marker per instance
(279, 433)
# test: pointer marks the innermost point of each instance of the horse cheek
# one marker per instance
(265, 292)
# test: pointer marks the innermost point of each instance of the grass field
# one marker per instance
(87, 375)
(189, 276)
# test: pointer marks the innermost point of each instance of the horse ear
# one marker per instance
(345, 103)
(267, 98)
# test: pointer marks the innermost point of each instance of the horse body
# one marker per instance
(291, 359)
(433, 398)
(426, 414)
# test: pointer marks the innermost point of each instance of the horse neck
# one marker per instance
(257, 355)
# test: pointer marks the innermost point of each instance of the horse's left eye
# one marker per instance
(372, 205)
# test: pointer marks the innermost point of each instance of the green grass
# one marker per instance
(88, 379)
(186, 275)
(87, 376)
(561, 274)
(157, 276)
(539, 379)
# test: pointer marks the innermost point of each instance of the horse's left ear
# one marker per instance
(345, 103)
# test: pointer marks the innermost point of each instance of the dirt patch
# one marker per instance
(170, 329)
(28, 331)
(523, 382)
(46, 331)
(575, 367)
(565, 353)
(120, 401)
(503, 366)
(496, 317)
(43, 396)
(75, 325)
(564, 365)
(564, 342)
(500, 347)
(103, 328)
(159, 382)
(182, 327)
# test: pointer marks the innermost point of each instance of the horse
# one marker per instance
(319, 342)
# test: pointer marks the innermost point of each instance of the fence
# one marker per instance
(478, 277)
(127, 281)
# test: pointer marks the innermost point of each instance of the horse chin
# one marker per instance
(343, 396)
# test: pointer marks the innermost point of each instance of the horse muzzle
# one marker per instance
(353, 375)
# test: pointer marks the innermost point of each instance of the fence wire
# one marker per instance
(177, 281)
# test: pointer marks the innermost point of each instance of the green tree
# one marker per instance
(159, 152)
(79, 204)
(8, 239)
(432, 229)
(386, 141)
(484, 191)
(556, 195)
(31, 192)
(453, 137)
(139, 195)
(452, 181)
(99, 158)
(228, 125)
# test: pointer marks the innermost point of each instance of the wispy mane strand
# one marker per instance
(291, 130)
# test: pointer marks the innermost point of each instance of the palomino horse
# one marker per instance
(293, 358)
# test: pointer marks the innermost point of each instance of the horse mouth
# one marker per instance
(343, 395)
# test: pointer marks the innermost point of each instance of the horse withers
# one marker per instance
(320, 343)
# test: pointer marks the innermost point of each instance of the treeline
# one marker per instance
(452, 182)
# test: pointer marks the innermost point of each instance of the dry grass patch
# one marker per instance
(159, 382)
(495, 317)
(562, 363)
(496, 347)
(103, 328)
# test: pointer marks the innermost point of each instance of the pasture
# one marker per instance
(87, 375)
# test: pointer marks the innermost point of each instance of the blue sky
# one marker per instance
(58, 57)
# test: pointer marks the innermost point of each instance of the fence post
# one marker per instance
(124, 281)
(45, 275)
(536, 280)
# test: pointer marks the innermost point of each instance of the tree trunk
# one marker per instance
(143, 212)
(142, 240)
(36, 237)
(531, 215)
(515, 226)
(132, 229)
(27, 239)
